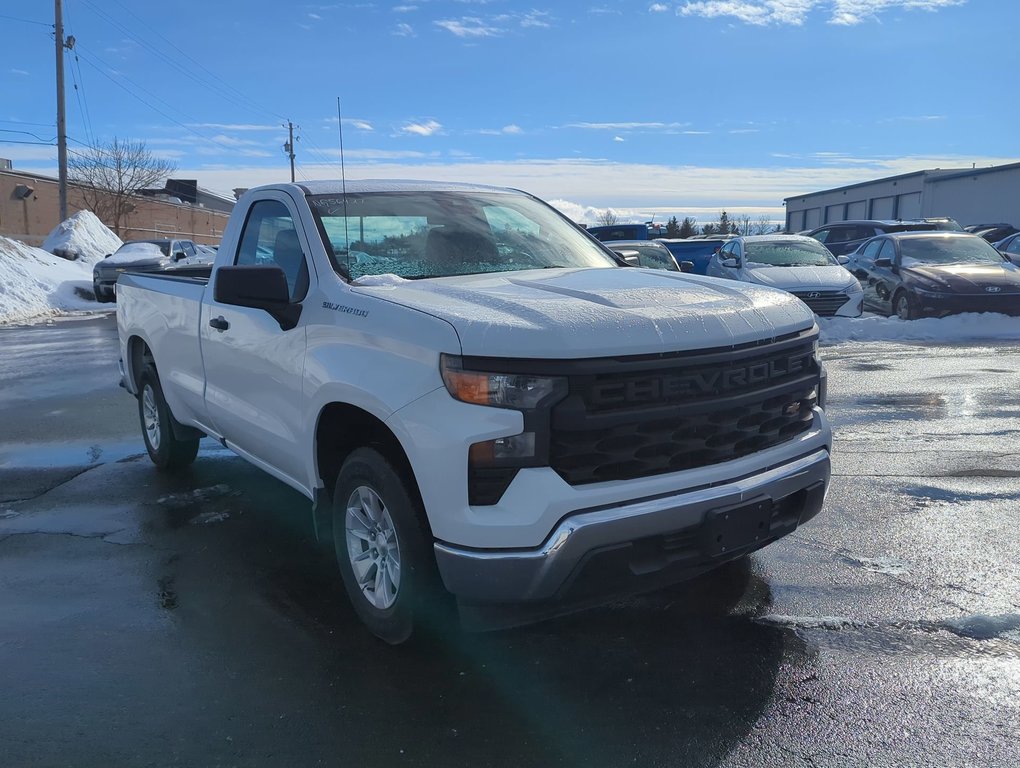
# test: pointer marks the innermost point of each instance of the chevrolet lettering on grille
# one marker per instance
(704, 382)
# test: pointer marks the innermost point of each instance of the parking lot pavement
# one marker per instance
(190, 620)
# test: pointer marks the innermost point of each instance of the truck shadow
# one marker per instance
(676, 677)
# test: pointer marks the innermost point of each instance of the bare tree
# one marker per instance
(763, 225)
(108, 175)
(743, 225)
(608, 218)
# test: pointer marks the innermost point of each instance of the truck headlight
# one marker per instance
(499, 390)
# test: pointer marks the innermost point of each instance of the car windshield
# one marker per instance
(654, 257)
(417, 235)
(948, 250)
(789, 253)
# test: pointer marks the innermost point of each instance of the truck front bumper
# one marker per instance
(645, 543)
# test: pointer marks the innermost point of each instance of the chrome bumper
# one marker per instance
(710, 524)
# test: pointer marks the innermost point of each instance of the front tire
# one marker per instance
(904, 307)
(167, 451)
(382, 545)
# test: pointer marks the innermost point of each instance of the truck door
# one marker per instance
(254, 368)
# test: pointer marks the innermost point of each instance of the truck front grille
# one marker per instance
(639, 417)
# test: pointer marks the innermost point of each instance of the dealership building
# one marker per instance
(971, 196)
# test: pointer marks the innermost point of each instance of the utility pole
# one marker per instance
(61, 118)
(288, 147)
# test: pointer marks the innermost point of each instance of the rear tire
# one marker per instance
(382, 545)
(167, 451)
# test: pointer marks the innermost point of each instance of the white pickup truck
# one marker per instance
(479, 398)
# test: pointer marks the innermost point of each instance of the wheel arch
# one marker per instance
(340, 429)
(138, 356)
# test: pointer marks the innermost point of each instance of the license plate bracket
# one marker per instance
(733, 528)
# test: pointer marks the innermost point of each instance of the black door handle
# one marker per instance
(219, 323)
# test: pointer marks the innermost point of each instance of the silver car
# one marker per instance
(800, 265)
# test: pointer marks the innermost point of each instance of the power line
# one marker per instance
(29, 133)
(205, 82)
(175, 121)
(79, 93)
(27, 21)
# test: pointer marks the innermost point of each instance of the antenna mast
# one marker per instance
(343, 182)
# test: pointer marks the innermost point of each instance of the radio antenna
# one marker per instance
(343, 183)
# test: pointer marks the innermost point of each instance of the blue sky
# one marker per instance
(648, 108)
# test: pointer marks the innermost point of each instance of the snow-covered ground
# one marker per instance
(968, 327)
(82, 237)
(35, 283)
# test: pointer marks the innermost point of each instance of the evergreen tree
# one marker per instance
(688, 227)
(673, 228)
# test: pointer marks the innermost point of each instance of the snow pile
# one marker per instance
(837, 330)
(82, 237)
(34, 282)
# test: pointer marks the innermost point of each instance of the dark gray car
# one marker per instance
(159, 255)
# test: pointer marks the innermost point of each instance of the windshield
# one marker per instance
(418, 235)
(789, 253)
(948, 250)
(654, 257)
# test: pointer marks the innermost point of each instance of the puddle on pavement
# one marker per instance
(69, 454)
(80, 453)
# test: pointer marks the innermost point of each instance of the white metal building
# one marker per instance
(971, 196)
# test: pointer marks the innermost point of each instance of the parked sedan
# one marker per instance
(163, 255)
(933, 274)
(1010, 247)
(800, 265)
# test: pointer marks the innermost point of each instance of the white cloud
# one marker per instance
(361, 125)
(404, 30)
(744, 130)
(657, 8)
(235, 126)
(512, 128)
(468, 27)
(536, 19)
(624, 126)
(315, 16)
(404, 8)
(795, 12)
(427, 128)
(618, 138)
(19, 71)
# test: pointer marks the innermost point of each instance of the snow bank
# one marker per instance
(34, 282)
(82, 237)
(968, 327)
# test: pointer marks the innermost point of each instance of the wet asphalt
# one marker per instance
(190, 620)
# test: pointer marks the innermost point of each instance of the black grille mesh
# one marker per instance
(822, 303)
(624, 425)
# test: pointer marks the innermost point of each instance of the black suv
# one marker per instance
(842, 237)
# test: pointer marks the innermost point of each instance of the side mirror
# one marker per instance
(686, 266)
(630, 257)
(730, 263)
(843, 260)
(258, 287)
(178, 255)
(108, 255)
(883, 262)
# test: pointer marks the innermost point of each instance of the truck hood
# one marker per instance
(830, 278)
(577, 313)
